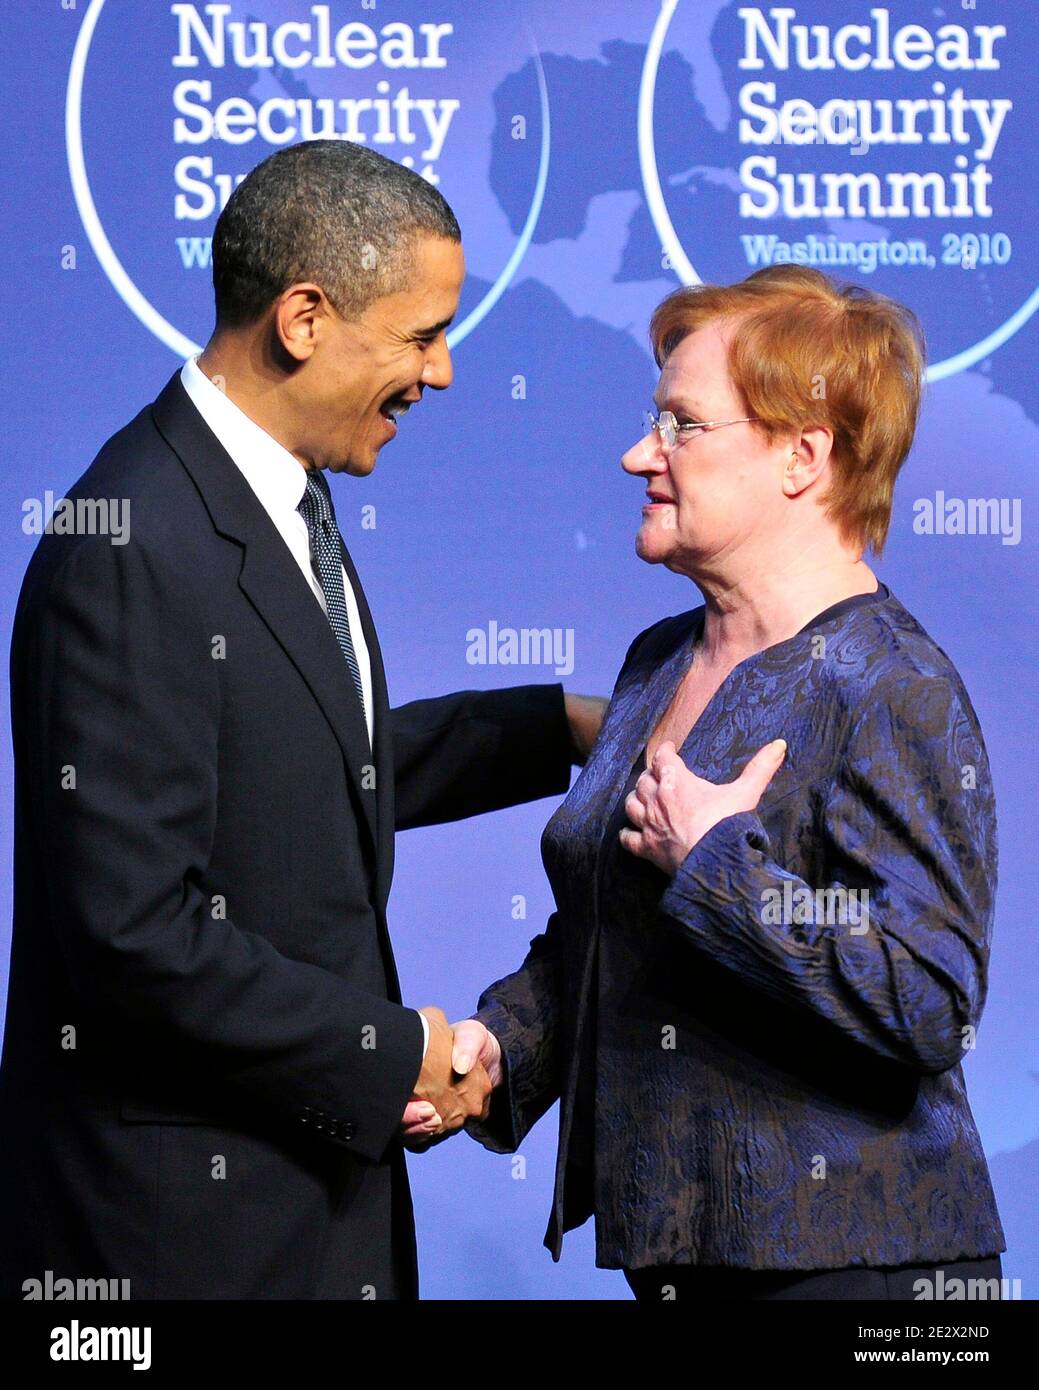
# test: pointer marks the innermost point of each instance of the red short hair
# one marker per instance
(806, 352)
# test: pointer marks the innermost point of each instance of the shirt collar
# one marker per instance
(276, 476)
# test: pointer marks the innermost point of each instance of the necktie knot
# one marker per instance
(326, 551)
(316, 502)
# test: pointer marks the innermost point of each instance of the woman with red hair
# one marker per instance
(775, 876)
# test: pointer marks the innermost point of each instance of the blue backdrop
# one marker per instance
(597, 155)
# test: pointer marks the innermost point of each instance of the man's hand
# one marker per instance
(672, 809)
(475, 1052)
(585, 715)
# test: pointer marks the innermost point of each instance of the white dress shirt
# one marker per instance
(279, 481)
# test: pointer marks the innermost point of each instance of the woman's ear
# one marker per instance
(809, 454)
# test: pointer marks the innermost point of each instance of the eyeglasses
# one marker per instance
(670, 431)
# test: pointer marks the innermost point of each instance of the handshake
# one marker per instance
(461, 1068)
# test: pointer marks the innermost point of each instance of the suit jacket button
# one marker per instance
(348, 1129)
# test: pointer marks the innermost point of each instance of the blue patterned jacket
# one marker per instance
(755, 1073)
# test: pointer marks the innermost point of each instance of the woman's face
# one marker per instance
(720, 493)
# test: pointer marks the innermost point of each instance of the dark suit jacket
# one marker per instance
(772, 1087)
(206, 1058)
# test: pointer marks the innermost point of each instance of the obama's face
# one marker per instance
(357, 377)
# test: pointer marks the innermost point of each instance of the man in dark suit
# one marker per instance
(207, 1064)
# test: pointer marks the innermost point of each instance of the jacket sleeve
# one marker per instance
(121, 717)
(910, 820)
(523, 1012)
(461, 755)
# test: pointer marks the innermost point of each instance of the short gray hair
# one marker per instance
(329, 211)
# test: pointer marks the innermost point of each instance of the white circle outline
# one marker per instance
(674, 249)
(144, 310)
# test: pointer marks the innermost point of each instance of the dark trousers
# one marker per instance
(667, 1282)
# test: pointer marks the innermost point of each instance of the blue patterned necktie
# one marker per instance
(326, 552)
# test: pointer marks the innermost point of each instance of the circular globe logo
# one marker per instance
(881, 144)
(169, 107)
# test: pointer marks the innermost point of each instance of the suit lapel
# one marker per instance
(271, 580)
